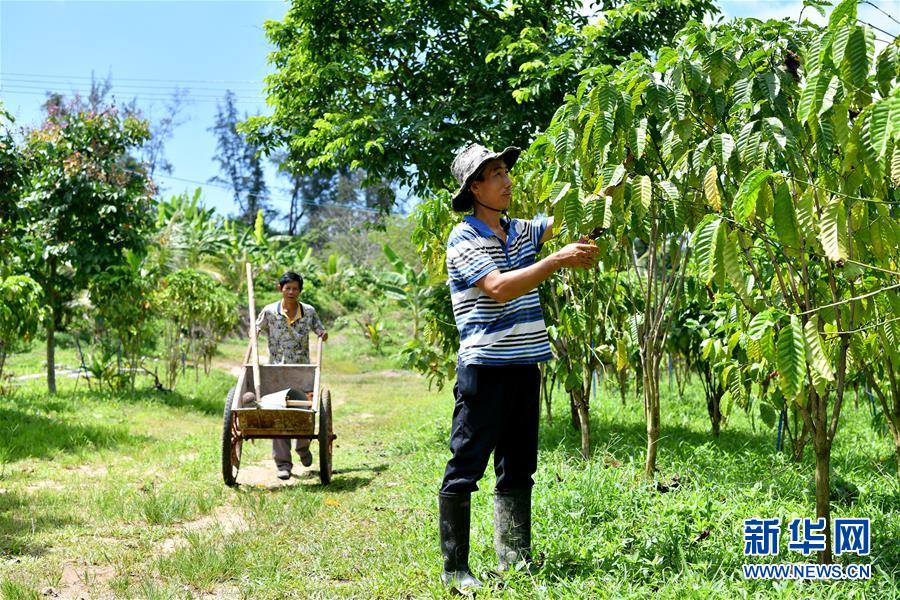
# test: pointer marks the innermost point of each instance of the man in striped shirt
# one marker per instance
(493, 278)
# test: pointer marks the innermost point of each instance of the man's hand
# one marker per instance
(577, 255)
(324, 336)
(504, 287)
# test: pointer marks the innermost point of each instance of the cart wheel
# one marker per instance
(325, 438)
(231, 444)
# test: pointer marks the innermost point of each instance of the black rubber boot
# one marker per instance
(512, 527)
(454, 512)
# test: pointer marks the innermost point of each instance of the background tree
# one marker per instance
(85, 201)
(199, 312)
(239, 162)
(308, 191)
(122, 301)
(20, 314)
(356, 82)
(162, 129)
(12, 175)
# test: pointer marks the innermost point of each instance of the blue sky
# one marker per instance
(151, 47)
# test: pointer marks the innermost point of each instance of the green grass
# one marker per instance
(125, 491)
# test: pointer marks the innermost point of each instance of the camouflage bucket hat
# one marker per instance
(468, 163)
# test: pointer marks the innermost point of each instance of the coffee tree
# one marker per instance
(198, 313)
(776, 145)
(20, 313)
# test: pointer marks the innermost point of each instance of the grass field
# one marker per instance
(121, 496)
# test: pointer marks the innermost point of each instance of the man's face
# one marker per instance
(496, 188)
(290, 291)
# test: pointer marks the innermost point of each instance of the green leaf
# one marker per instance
(736, 385)
(791, 358)
(706, 238)
(806, 215)
(839, 43)
(666, 56)
(598, 211)
(833, 230)
(724, 145)
(677, 104)
(640, 139)
(744, 204)
(769, 85)
(559, 191)
(785, 219)
(613, 175)
(743, 92)
(725, 404)
(760, 324)
(895, 164)
(807, 97)
(565, 145)
(878, 127)
(767, 414)
(847, 8)
(732, 265)
(621, 354)
(819, 365)
(886, 69)
(710, 186)
(644, 192)
(574, 212)
(814, 53)
(828, 95)
(857, 58)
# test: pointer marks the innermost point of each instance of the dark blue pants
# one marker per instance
(497, 409)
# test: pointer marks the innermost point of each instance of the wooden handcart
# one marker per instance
(300, 420)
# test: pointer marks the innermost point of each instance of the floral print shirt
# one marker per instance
(288, 339)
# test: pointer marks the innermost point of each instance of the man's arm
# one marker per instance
(317, 325)
(262, 324)
(504, 287)
(548, 232)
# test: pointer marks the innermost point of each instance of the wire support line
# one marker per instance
(836, 334)
(4, 91)
(23, 82)
(873, 267)
(139, 79)
(849, 300)
(881, 10)
(836, 193)
(879, 29)
(124, 92)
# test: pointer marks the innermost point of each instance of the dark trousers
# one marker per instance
(497, 409)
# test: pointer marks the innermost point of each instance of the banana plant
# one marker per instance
(406, 286)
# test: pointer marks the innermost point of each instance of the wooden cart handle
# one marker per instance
(319, 353)
(254, 346)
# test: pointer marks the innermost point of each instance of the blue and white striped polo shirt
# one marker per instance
(491, 332)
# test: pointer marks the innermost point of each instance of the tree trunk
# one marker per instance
(584, 421)
(51, 329)
(897, 450)
(715, 413)
(823, 487)
(651, 409)
(798, 442)
(573, 406)
(2, 363)
(51, 350)
(623, 385)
